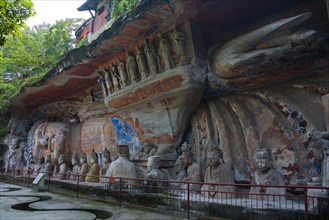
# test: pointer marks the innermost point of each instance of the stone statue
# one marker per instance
(115, 77)
(122, 167)
(149, 149)
(180, 172)
(15, 156)
(108, 81)
(53, 139)
(266, 175)
(132, 67)
(48, 168)
(39, 166)
(106, 161)
(123, 73)
(217, 172)
(76, 167)
(325, 169)
(166, 53)
(93, 173)
(141, 62)
(102, 83)
(193, 173)
(84, 167)
(152, 59)
(61, 169)
(154, 172)
(180, 46)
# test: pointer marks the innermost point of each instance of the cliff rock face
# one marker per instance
(194, 71)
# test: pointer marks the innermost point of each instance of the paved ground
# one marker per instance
(25, 195)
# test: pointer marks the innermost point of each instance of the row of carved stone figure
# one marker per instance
(88, 172)
(143, 63)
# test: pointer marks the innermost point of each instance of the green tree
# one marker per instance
(120, 7)
(25, 58)
(13, 14)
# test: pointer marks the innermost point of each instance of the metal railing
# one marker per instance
(187, 198)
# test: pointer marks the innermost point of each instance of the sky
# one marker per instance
(49, 11)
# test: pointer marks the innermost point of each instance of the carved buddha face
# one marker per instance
(179, 164)
(74, 161)
(214, 160)
(61, 159)
(262, 164)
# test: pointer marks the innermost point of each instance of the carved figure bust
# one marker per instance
(84, 167)
(102, 83)
(149, 149)
(151, 57)
(180, 172)
(132, 67)
(76, 167)
(61, 168)
(125, 79)
(217, 172)
(193, 172)
(93, 173)
(39, 166)
(122, 167)
(141, 62)
(180, 46)
(153, 170)
(48, 168)
(325, 169)
(266, 175)
(166, 53)
(106, 161)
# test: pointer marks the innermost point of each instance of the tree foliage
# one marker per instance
(13, 14)
(25, 58)
(120, 7)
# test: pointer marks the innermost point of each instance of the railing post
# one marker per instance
(29, 177)
(13, 175)
(305, 203)
(78, 180)
(120, 182)
(49, 181)
(188, 200)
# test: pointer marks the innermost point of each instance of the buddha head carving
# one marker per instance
(179, 164)
(74, 159)
(263, 160)
(123, 150)
(106, 156)
(153, 162)
(50, 138)
(83, 158)
(61, 159)
(215, 156)
(93, 157)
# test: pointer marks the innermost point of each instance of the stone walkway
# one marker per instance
(23, 195)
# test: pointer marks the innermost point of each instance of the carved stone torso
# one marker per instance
(75, 171)
(218, 174)
(93, 173)
(325, 171)
(122, 167)
(141, 62)
(166, 53)
(152, 59)
(48, 168)
(132, 68)
(123, 74)
(83, 171)
(62, 171)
